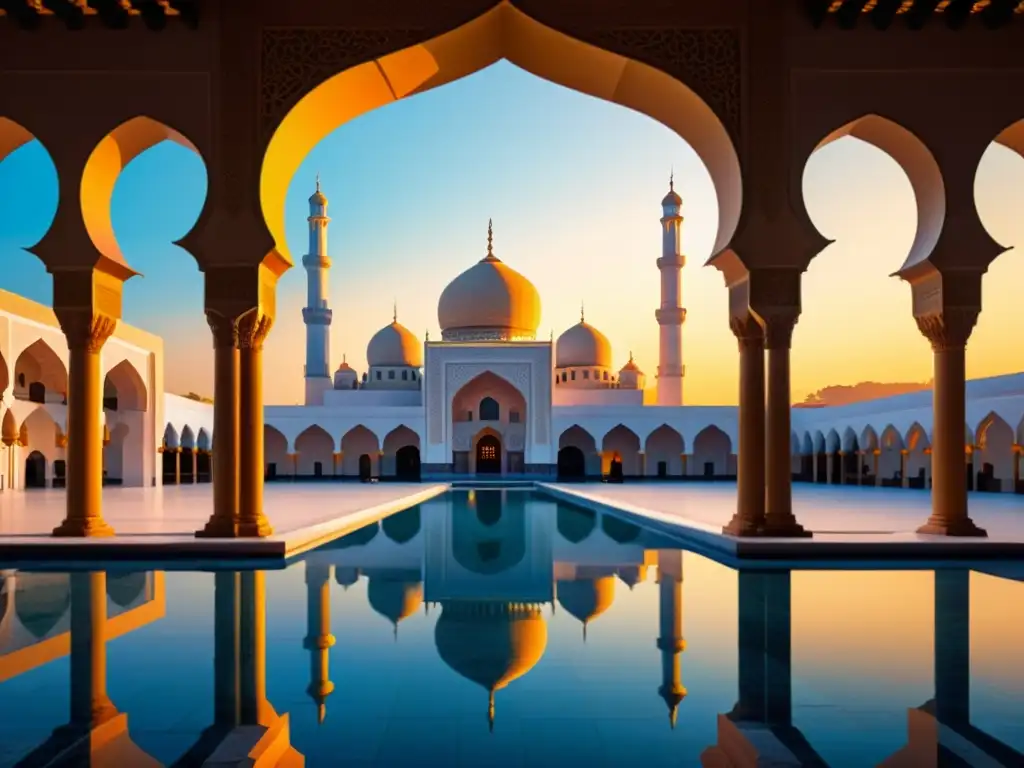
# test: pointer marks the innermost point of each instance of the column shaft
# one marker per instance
(86, 333)
(750, 471)
(254, 327)
(254, 707)
(90, 705)
(779, 519)
(949, 479)
(226, 647)
(224, 460)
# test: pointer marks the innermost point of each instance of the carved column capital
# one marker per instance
(948, 329)
(253, 328)
(224, 329)
(86, 330)
(778, 329)
(748, 331)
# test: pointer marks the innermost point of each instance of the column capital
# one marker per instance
(948, 329)
(86, 330)
(224, 329)
(747, 330)
(87, 304)
(253, 328)
(778, 328)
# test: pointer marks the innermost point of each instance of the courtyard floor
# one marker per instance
(155, 522)
(846, 521)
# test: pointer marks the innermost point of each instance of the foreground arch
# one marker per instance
(504, 32)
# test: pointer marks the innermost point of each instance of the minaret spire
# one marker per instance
(490, 242)
(670, 313)
(581, 313)
(318, 181)
(394, 311)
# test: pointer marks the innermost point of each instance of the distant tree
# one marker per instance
(845, 394)
(198, 398)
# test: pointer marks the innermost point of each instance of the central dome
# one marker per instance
(583, 346)
(490, 301)
(394, 345)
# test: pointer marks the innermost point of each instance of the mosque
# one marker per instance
(486, 399)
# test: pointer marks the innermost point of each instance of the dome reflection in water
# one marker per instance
(528, 650)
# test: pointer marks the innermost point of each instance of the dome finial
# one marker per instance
(581, 311)
(672, 180)
(584, 631)
(321, 713)
(490, 241)
(394, 311)
(343, 360)
(318, 181)
(631, 355)
(490, 711)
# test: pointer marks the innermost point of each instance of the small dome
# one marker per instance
(345, 367)
(489, 300)
(586, 599)
(394, 345)
(395, 596)
(630, 366)
(583, 346)
(41, 602)
(317, 198)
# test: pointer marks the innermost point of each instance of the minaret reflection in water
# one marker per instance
(319, 639)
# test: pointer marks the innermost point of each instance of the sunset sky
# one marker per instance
(573, 185)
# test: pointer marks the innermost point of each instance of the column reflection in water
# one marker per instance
(940, 732)
(759, 729)
(245, 726)
(96, 733)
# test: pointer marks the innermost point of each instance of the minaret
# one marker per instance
(670, 314)
(316, 314)
(670, 624)
(319, 639)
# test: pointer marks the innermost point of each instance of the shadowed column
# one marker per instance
(253, 329)
(750, 476)
(319, 639)
(225, 462)
(671, 642)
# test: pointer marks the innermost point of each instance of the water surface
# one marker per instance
(500, 628)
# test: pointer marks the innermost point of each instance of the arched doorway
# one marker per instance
(615, 469)
(35, 470)
(488, 455)
(407, 463)
(364, 467)
(571, 463)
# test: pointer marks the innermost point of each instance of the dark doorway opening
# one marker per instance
(662, 469)
(615, 470)
(709, 469)
(271, 471)
(318, 469)
(407, 463)
(35, 470)
(488, 455)
(170, 463)
(37, 392)
(571, 463)
(364, 467)
(203, 467)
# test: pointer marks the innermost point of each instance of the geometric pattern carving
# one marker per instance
(705, 60)
(294, 60)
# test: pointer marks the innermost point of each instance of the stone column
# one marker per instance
(876, 458)
(224, 521)
(255, 709)
(842, 467)
(779, 519)
(685, 468)
(860, 468)
(904, 480)
(641, 459)
(177, 466)
(750, 480)
(226, 647)
(253, 329)
(948, 335)
(1016, 468)
(294, 458)
(336, 459)
(86, 331)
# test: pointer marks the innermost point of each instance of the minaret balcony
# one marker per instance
(316, 261)
(317, 315)
(676, 261)
(669, 315)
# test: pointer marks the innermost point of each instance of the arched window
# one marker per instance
(489, 410)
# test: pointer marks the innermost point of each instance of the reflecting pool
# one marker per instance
(500, 628)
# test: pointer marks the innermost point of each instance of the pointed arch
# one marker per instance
(314, 447)
(890, 461)
(124, 389)
(203, 442)
(920, 167)
(917, 438)
(188, 437)
(357, 442)
(504, 32)
(578, 457)
(622, 444)
(40, 374)
(850, 441)
(107, 161)
(995, 457)
(819, 441)
(401, 449)
(275, 453)
(807, 448)
(869, 439)
(171, 438)
(712, 450)
(663, 451)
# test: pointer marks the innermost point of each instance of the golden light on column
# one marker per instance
(671, 642)
(319, 639)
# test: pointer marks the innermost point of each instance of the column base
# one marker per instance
(965, 527)
(219, 528)
(254, 529)
(89, 527)
(741, 527)
(784, 529)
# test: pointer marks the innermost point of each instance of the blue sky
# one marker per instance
(573, 185)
